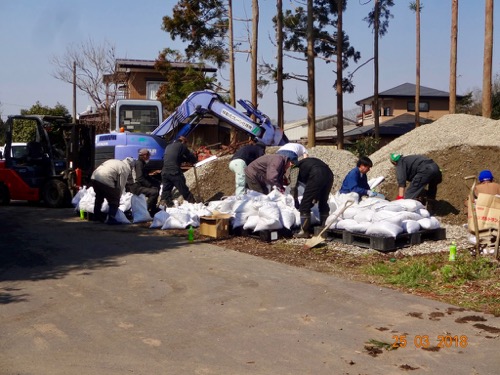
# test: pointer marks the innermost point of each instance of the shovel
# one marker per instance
(473, 209)
(316, 240)
(199, 198)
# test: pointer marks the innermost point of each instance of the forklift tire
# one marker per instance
(56, 194)
(4, 194)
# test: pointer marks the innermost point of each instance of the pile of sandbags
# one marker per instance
(379, 217)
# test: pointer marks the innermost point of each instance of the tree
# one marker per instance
(488, 58)
(279, 63)
(417, 8)
(25, 130)
(203, 24)
(92, 62)
(254, 50)
(179, 83)
(453, 55)
(378, 18)
(324, 40)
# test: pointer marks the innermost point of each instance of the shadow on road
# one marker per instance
(39, 243)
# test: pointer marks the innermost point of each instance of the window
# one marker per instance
(152, 88)
(423, 106)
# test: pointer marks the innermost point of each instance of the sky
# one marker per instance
(34, 31)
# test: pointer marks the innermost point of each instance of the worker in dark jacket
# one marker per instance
(356, 180)
(109, 180)
(419, 171)
(140, 182)
(268, 170)
(241, 159)
(317, 177)
(172, 176)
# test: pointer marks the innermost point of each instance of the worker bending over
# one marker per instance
(267, 171)
(108, 181)
(294, 151)
(419, 171)
(317, 177)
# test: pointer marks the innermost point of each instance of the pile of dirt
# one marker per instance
(461, 145)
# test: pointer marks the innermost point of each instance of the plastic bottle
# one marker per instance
(190, 234)
(453, 252)
(82, 214)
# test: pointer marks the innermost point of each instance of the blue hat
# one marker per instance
(485, 175)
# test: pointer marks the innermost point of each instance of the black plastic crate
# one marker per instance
(263, 235)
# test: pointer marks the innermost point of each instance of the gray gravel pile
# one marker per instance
(448, 131)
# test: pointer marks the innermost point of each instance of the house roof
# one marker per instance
(396, 126)
(149, 64)
(319, 120)
(408, 90)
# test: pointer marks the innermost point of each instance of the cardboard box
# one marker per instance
(216, 226)
(488, 212)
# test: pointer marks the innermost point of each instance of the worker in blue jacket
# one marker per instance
(356, 180)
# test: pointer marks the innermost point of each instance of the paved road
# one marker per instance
(129, 300)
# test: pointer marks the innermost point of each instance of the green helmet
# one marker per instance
(395, 157)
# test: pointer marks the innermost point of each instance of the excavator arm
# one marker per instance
(200, 103)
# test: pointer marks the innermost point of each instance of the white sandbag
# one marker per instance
(268, 224)
(423, 212)
(251, 222)
(159, 219)
(182, 216)
(406, 215)
(384, 215)
(120, 217)
(287, 218)
(87, 201)
(140, 213)
(410, 226)
(429, 223)
(269, 210)
(411, 205)
(364, 215)
(359, 227)
(374, 182)
(370, 202)
(388, 206)
(75, 201)
(384, 230)
(275, 195)
(350, 212)
(345, 224)
(126, 202)
(245, 209)
(173, 223)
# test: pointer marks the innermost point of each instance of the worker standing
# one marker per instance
(356, 180)
(241, 159)
(268, 170)
(172, 176)
(317, 177)
(108, 181)
(294, 151)
(140, 182)
(419, 171)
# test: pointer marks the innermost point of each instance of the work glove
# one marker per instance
(399, 197)
(371, 193)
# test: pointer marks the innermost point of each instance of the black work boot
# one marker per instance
(305, 227)
(431, 206)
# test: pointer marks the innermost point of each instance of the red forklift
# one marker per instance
(58, 161)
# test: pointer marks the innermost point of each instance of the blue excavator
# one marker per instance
(182, 122)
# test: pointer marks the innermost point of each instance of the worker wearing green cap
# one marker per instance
(419, 171)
